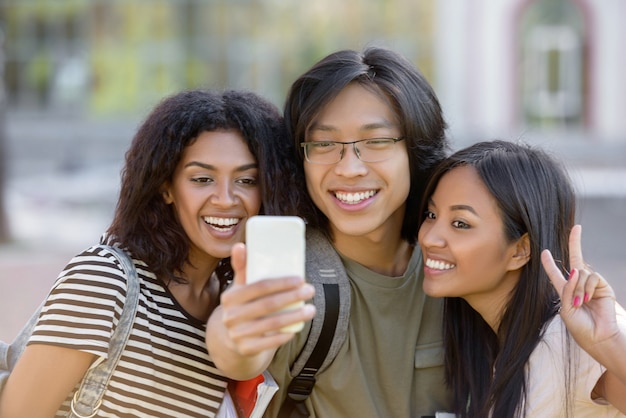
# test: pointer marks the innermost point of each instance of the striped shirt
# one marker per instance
(165, 369)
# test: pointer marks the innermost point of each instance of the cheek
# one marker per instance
(313, 178)
(252, 201)
(402, 172)
(402, 183)
(485, 258)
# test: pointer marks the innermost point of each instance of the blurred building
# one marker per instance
(517, 67)
(79, 74)
(116, 57)
(500, 68)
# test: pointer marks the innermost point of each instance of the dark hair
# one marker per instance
(535, 197)
(387, 73)
(143, 223)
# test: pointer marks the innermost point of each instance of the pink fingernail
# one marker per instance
(586, 298)
(571, 273)
(576, 301)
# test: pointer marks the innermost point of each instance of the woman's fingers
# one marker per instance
(566, 288)
(576, 260)
(553, 271)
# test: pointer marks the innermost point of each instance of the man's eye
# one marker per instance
(378, 142)
(322, 144)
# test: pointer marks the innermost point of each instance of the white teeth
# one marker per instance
(439, 265)
(354, 198)
(221, 223)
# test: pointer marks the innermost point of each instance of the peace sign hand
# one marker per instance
(587, 300)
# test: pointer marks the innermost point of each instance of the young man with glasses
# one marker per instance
(367, 130)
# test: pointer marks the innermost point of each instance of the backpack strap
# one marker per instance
(329, 327)
(88, 398)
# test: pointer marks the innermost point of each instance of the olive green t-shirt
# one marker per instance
(391, 364)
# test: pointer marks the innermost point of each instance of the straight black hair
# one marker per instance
(414, 102)
(485, 370)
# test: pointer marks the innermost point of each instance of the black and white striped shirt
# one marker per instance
(164, 371)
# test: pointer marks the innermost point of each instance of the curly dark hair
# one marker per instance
(143, 223)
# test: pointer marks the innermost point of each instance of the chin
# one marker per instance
(219, 251)
(434, 290)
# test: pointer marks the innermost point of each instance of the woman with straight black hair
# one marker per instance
(490, 211)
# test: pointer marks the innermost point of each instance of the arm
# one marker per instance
(590, 312)
(41, 380)
(65, 342)
(612, 389)
(243, 333)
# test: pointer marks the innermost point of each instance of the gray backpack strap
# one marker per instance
(324, 267)
(329, 328)
(88, 398)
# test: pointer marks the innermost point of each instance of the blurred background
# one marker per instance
(78, 76)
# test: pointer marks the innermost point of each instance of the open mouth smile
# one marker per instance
(221, 224)
(354, 198)
(438, 265)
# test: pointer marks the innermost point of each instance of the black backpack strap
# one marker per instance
(329, 327)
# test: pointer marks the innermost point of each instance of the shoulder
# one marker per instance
(551, 347)
(95, 274)
(85, 303)
(99, 261)
(317, 242)
(559, 360)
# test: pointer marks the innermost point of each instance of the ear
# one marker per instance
(521, 253)
(167, 195)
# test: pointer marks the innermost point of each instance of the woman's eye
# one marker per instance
(201, 179)
(460, 225)
(429, 215)
(251, 181)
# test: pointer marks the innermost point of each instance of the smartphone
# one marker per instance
(275, 248)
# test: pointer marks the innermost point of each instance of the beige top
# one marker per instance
(547, 378)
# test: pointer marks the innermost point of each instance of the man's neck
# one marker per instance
(385, 255)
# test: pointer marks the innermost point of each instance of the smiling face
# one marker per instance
(214, 191)
(359, 198)
(465, 250)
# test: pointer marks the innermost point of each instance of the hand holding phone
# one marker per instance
(275, 248)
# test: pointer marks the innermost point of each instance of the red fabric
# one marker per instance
(244, 394)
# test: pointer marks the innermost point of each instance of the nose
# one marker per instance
(223, 195)
(350, 164)
(430, 235)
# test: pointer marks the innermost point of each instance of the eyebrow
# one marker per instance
(457, 207)
(464, 207)
(244, 167)
(367, 127)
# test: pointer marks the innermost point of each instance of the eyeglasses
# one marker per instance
(370, 150)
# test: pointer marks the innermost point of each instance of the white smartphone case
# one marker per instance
(275, 248)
